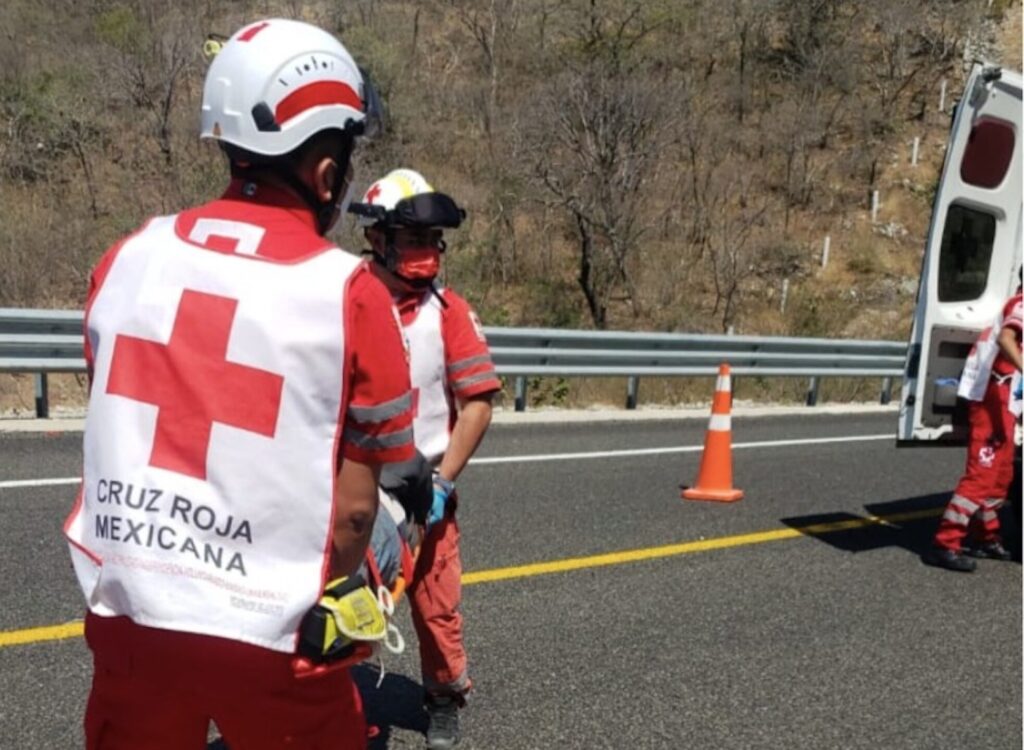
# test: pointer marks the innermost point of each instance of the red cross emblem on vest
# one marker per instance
(193, 385)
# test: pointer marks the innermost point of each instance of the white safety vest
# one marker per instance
(432, 422)
(210, 441)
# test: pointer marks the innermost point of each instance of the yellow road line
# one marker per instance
(38, 635)
(75, 629)
(671, 550)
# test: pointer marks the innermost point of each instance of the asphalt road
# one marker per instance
(767, 640)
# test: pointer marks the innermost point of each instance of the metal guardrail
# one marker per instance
(522, 352)
(46, 341)
(41, 342)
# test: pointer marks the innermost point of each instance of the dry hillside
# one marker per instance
(662, 165)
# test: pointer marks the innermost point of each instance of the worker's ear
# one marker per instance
(325, 169)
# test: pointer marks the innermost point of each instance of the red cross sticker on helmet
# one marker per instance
(373, 193)
(193, 385)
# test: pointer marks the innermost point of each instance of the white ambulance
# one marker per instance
(972, 259)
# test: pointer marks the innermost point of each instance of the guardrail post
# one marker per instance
(812, 391)
(520, 393)
(632, 385)
(886, 396)
(42, 396)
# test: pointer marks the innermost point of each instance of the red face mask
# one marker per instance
(418, 262)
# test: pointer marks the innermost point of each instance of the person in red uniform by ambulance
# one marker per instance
(453, 382)
(247, 380)
(987, 382)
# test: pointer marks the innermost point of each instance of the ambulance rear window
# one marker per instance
(965, 254)
(988, 153)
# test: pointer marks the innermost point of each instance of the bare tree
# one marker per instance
(747, 19)
(152, 49)
(600, 153)
(701, 147)
(807, 26)
(487, 23)
(733, 228)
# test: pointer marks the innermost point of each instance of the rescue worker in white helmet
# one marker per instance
(454, 380)
(243, 396)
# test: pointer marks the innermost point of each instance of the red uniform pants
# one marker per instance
(159, 690)
(435, 597)
(986, 479)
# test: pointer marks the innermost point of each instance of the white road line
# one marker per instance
(683, 449)
(13, 484)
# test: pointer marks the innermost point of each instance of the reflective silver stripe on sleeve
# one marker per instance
(462, 364)
(381, 412)
(377, 442)
(474, 379)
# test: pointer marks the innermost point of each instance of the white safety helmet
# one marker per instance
(276, 83)
(386, 192)
(404, 198)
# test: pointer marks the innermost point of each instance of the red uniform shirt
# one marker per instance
(378, 417)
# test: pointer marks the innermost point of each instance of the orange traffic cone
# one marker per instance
(714, 481)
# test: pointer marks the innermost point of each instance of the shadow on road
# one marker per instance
(913, 534)
(398, 702)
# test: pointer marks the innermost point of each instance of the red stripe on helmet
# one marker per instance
(316, 94)
(252, 31)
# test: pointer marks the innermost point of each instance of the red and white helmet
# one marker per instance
(396, 185)
(404, 198)
(276, 83)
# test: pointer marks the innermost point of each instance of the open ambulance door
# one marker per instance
(972, 257)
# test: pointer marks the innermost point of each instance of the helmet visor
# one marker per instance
(419, 211)
(428, 210)
(373, 124)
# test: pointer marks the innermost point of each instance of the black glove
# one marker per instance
(411, 483)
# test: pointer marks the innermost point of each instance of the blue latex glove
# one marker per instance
(443, 489)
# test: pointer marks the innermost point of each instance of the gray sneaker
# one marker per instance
(988, 551)
(948, 559)
(443, 731)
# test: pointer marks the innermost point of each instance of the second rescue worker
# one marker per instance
(454, 382)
